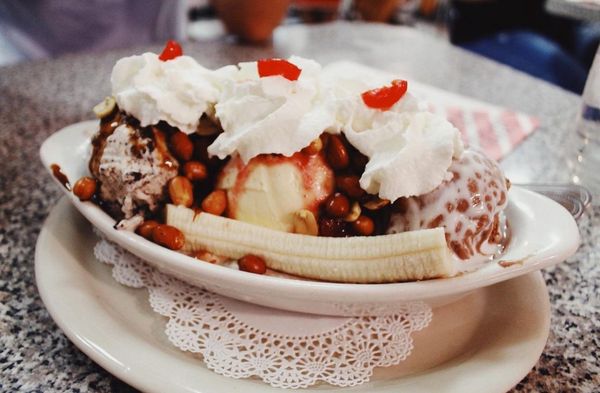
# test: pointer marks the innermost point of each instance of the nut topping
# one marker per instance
(337, 154)
(181, 146)
(181, 191)
(85, 188)
(146, 228)
(350, 185)
(105, 107)
(215, 203)
(252, 264)
(208, 256)
(364, 226)
(195, 170)
(305, 223)
(355, 211)
(168, 236)
(376, 203)
(314, 147)
(337, 205)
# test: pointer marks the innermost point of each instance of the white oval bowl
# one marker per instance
(543, 234)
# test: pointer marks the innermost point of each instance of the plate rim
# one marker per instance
(102, 355)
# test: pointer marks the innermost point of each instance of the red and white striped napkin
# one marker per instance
(492, 129)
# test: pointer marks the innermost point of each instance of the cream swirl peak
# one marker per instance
(409, 149)
(177, 91)
(271, 115)
(409, 153)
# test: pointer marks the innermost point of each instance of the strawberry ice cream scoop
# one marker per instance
(469, 206)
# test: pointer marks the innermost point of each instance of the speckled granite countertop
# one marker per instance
(39, 98)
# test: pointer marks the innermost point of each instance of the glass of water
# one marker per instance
(584, 161)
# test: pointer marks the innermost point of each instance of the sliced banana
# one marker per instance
(407, 256)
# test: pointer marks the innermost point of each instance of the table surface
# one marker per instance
(586, 10)
(39, 98)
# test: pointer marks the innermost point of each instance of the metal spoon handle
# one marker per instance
(572, 197)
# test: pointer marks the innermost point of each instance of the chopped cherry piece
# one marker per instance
(385, 97)
(171, 51)
(271, 67)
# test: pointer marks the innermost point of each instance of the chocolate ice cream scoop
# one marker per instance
(133, 166)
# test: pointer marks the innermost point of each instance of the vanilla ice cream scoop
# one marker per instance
(270, 189)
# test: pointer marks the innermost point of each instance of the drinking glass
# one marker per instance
(584, 158)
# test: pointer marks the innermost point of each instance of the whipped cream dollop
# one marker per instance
(409, 149)
(177, 91)
(271, 114)
(409, 153)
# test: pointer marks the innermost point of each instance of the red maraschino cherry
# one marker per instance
(172, 50)
(271, 67)
(385, 97)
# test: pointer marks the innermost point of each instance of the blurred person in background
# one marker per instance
(520, 33)
(34, 29)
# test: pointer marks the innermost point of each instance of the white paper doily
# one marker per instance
(284, 349)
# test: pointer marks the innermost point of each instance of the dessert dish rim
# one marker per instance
(522, 209)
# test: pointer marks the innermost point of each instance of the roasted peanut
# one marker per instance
(314, 147)
(168, 236)
(209, 257)
(337, 154)
(181, 146)
(376, 204)
(354, 213)
(181, 191)
(215, 203)
(85, 188)
(305, 223)
(146, 228)
(363, 226)
(349, 185)
(105, 108)
(195, 170)
(160, 140)
(252, 264)
(337, 205)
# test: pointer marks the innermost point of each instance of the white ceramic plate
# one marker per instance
(485, 342)
(543, 234)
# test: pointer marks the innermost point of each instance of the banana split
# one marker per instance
(288, 165)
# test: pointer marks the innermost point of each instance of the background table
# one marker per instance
(587, 11)
(37, 99)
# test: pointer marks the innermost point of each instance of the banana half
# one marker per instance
(408, 256)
